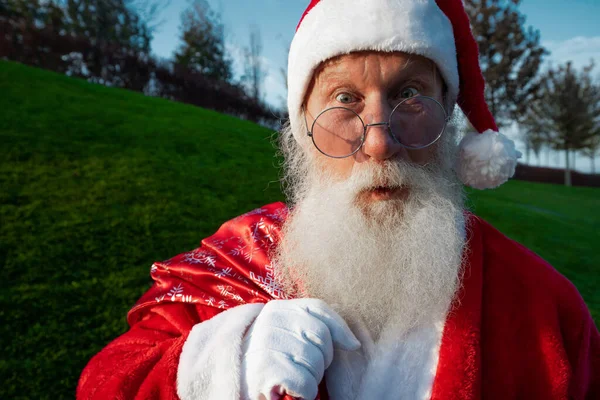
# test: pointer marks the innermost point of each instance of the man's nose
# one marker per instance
(379, 143)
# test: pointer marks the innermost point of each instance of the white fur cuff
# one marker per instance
(486, 160)
(210, 362)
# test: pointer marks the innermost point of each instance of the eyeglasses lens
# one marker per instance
(418, 122)
(415, 123)
(338, 132)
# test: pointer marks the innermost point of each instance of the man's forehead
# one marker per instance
(339, 66)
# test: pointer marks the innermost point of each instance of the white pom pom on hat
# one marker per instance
(436, 29)
(486, 160)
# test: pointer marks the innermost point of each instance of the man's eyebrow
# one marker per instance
(418, 68)
(327, 75)
(329, 80)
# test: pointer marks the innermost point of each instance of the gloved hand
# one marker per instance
(288, 348)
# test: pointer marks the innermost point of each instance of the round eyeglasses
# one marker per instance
(415, 123)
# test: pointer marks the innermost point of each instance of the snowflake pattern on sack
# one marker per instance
(200, 256)
(258, 211)
(279, 215)
(222, 272)
(157, 268)
(227, 291)
(269, 283)
(176, 293)
(219, 243)
(246, 252)
(267, 231)
(234, 262)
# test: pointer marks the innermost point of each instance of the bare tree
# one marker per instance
(150, 12)
(283, 75)
(533, 136)
(254, 68)
(510, 56)
(593, 147)
(567, 110)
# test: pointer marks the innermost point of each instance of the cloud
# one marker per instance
(580, 50)
(273, 87)
(236, 54)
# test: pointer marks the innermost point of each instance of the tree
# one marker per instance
(567, 110)
(27, 10)
(283, 73)
(29, 30)
(112, 21)
(592, 147)
(119, 38)
(533, 136)
(203, 47)
(510, 56)
(254, 71)
(104, 41)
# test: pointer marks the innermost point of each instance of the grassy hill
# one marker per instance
(97, 183)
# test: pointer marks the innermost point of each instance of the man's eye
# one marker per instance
(409, 92)
(344, 98)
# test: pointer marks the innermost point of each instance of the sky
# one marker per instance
(569, 29)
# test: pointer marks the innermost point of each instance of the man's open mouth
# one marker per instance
(383, 192)
(383, 189)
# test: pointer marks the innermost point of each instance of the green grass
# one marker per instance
(561, 224)
(98, 183)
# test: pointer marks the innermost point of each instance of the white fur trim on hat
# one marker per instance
(336, 27)
(486, 160)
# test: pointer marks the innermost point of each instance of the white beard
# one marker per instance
(385, 262)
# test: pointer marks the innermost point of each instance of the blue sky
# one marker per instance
(570, 29)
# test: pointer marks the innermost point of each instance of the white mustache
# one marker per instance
(392, 174)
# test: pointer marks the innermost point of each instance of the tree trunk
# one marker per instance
(567, 170)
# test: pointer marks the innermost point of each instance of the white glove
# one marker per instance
(288, 348)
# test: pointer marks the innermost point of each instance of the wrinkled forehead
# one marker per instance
(399, 61)
(392, 65)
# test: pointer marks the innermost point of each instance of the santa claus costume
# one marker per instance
(515, 328)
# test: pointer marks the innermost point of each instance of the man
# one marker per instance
(375, 284)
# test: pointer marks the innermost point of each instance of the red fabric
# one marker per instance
(471, 97)
(517, 329)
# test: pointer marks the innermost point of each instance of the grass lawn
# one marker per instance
(97, 183)
(561, 224)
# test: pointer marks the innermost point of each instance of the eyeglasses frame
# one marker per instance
(365, 126)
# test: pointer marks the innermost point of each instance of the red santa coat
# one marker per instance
(516, 329)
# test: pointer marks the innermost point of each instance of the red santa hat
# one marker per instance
(438, 30)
